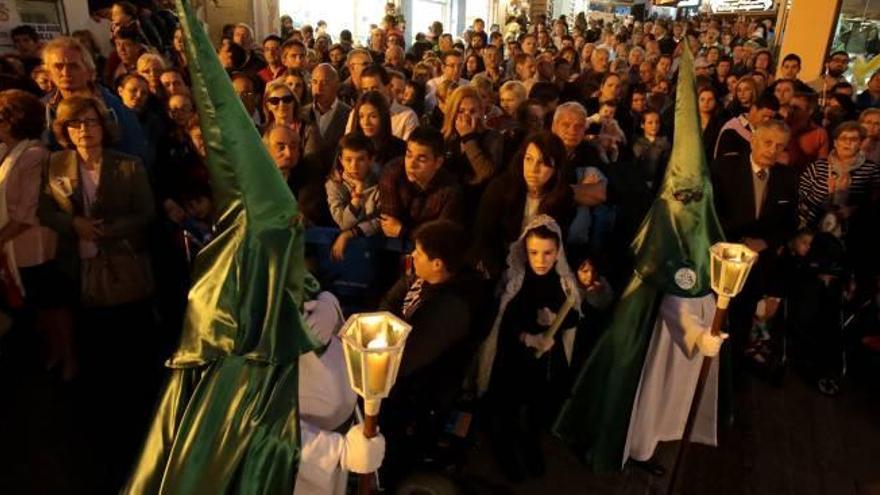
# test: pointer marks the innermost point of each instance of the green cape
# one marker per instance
(671, 253)
(227, 421)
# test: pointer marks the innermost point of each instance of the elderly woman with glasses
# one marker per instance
(843, 183)
(97, 200)
(281, 106)
(99, 203)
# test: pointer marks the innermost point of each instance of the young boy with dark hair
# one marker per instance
(445, 303)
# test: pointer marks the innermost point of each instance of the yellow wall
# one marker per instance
(227, 12)
(808, 32)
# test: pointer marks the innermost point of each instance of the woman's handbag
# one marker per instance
(115, 276)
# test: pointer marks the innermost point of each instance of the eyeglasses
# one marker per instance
(276, 100)
(81, 123)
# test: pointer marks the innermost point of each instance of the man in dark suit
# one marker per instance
(324, 120)
(756, 201)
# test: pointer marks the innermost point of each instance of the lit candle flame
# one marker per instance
(377, 364)
(378, 342)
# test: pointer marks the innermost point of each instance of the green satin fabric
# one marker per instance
(676, 234)
(228, 419)
(594, 421)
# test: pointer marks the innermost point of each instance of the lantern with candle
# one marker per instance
(730, 266)
(373, 345)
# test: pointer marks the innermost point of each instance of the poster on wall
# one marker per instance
(737, 6)
(45, 16)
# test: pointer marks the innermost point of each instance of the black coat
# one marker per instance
(500, 217)
(735, 204)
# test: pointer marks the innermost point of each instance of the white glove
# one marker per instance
(323, 316)
(709, 344)
(361, 454)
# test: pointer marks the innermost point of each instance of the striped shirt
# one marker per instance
(814, 189)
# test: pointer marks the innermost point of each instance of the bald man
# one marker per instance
(324, 118)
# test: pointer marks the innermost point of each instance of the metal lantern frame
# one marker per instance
(373, 344)
(729, 269)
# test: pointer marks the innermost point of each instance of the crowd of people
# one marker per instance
(475, 183)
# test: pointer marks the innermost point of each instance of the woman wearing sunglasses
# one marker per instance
(281, 106)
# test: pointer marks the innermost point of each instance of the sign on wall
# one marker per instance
(734, 6)
(44, 16)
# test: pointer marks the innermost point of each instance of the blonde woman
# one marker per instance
(474, 152)
(441, 94)
(150, 66)
(281, 106)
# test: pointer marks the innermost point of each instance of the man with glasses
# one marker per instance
(244, 88)
(452, 63)
(835, 66)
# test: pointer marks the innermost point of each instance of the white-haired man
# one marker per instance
(72, 70)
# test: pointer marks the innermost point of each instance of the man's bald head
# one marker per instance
(325, 85)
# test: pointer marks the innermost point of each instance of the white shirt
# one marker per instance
(431, 86)
(403, 120)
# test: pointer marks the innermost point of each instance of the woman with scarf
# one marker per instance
(844, 182)
(835, 196)
(529, 369)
